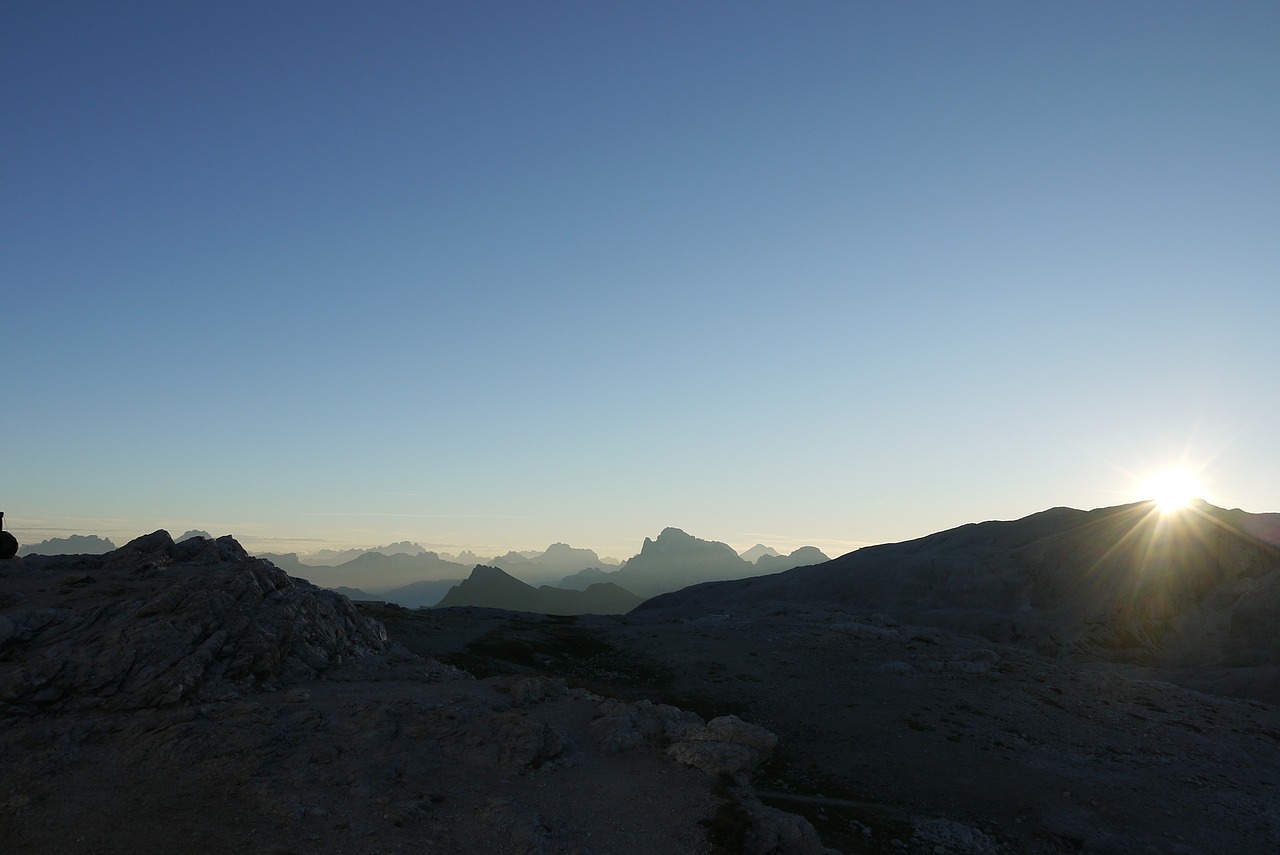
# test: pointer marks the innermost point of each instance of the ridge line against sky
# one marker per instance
(498, 275)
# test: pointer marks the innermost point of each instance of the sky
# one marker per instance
(495, 275)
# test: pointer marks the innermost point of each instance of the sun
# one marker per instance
(1172, 489)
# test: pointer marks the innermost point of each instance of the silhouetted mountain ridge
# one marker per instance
(75, 544)
(676, 559)
(492, 587)
(757, 552)
(374, 572)
(671, 561)
(1127, 583)
(801, 557)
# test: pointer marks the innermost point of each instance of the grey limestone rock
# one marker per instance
(726, 745)
(530, 690)
(770, 831)
(621, 726)
(157, 623)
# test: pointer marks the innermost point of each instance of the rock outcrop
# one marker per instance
(156, 623)
(726, 745)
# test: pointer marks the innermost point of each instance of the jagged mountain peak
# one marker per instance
(757, 552)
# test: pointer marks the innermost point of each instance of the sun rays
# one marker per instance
(1172, 489)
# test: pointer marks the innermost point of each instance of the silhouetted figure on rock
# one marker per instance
(8, 543)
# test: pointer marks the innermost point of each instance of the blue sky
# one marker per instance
(493, 275)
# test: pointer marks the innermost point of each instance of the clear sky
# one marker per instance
(493, 275)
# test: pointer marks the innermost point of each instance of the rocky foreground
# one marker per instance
(188, 696)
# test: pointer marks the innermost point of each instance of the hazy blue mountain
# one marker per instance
(492, 587)
(334, 557)
(331, 557)
(675, 560)
(373, 572)
(75, 544)
(555, 562)
(193, 533)
(405, 547)
(758, 551)
(799, 558)
(353, 593)
(419, 594)
(672, 561)
(512, 561)
(378, 571)
(563, 558)
(584, 579)
(289, 563)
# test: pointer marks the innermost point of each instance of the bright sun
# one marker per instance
(1172, 489)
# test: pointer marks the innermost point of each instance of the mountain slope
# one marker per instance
(419, 594)
(1187, 590)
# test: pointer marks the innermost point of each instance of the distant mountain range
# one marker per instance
(76, 544)
(334, 557)
(374, 572)
(559, 559)
(413, 577)
(86, 544)
(801, 557)
(406, 574)
(491, 587)
(676, 560)
(1193, 591)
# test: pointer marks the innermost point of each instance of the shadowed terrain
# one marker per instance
(191, 696)
(1190, 593)
(1031, 686)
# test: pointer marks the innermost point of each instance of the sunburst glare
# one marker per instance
(1172, 489)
